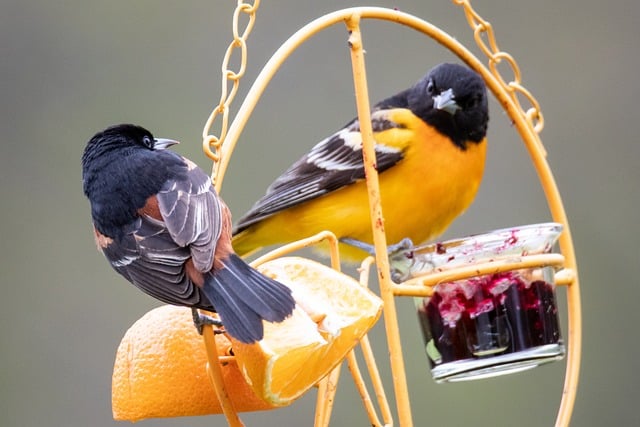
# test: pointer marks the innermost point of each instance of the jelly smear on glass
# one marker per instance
(487, 316)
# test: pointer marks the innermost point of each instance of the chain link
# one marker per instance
(485, 39)
(210, 143)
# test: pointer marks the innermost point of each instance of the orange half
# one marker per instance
(161, 371)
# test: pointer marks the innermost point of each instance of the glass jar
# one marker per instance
(492, 324)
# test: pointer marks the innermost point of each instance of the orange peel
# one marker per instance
(161, 371)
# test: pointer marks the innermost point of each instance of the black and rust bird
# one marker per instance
(162, 226)
(430, 143)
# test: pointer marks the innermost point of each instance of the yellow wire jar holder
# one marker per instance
(528, 122)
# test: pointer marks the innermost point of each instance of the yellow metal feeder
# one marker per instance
(527, 120)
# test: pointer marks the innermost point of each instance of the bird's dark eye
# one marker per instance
(431, 87)
(473, 102)
(147, 141)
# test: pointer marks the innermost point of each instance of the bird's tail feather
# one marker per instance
(243, 297)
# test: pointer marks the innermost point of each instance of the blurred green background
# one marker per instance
(70, 68)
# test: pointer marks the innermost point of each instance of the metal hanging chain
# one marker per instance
(483, 30)
(210, 143)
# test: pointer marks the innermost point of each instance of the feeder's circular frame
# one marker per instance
(527, 122)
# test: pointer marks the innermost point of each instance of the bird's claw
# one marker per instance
(403, 245)
(200, 320)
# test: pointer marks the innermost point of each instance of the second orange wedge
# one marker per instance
(334, 311)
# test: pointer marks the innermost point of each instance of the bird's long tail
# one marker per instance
(243, 297)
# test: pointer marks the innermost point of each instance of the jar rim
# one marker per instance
(504, 242)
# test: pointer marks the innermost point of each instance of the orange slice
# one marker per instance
(334, 311)
(161, 371)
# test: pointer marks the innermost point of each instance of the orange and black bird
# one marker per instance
(161, 225)
(430, 143)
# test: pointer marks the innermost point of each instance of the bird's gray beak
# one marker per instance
(162, 143)
(446, 102)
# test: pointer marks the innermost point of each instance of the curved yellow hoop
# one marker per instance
(528, 124)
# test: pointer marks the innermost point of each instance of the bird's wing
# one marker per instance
(148, 257)
(333, 163)
(192, 213)
(181, 224)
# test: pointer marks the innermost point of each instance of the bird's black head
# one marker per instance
(119, 141)
(122, 166)
(124, 138)
(453, 99)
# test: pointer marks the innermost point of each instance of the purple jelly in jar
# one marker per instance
(491, 324)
